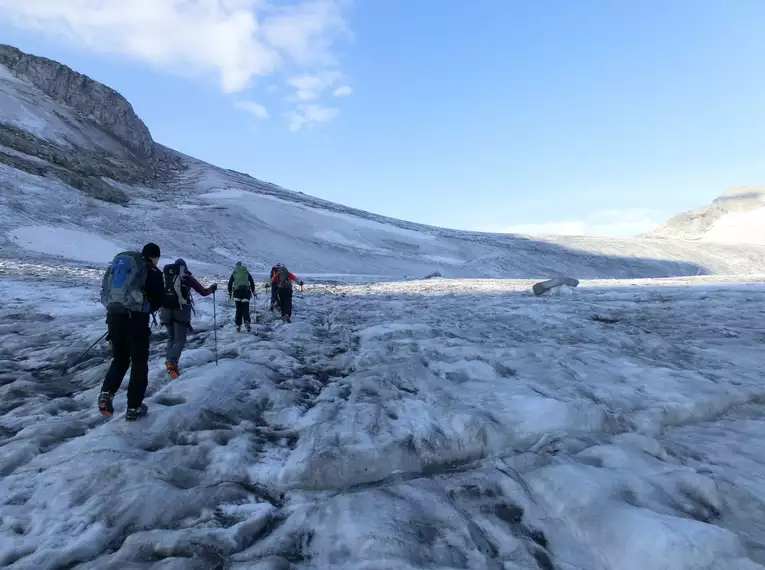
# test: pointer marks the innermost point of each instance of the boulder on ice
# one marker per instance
(555, 285)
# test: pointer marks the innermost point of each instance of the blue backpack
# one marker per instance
(122, 287)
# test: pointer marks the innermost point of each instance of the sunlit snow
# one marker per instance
(65, 243)
(739, 227)
(424, 424)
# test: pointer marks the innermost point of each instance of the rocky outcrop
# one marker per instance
(80, 93)
(89, 185)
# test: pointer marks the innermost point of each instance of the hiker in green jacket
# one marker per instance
(242, 288)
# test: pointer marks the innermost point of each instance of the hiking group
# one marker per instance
(133, 289)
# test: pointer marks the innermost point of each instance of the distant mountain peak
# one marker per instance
(737, 216)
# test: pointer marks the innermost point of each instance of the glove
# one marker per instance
(300, 283)
(229, 296)
(265, 285)
(214, 287)
(108, 337)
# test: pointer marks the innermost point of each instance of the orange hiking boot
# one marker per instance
(172, 369)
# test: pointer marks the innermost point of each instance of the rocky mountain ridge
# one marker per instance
(90, 99)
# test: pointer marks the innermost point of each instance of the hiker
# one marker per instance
(131, 290)
(241, 287)
(274, 290)
(281, 280)
(177, 307)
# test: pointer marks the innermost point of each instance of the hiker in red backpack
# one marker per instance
(281, 280)
(272, 281)
(177, 308)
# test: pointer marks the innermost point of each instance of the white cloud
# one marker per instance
(254, 108)
(306, 113)
(607, 223)
(343, 91)
(307, 30)
(309, 87)
(236, 40)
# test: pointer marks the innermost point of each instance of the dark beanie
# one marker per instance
(181, 261)
(150, 250)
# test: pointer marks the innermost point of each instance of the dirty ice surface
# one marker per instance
(395, 426)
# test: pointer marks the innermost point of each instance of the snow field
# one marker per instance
(66, 243)
(448, 424)
(739, 227)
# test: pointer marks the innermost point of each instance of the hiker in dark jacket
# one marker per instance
(127, 317)
(177, 307)
(242, 288)
(281, 280)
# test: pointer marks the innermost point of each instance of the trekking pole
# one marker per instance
(255, 306)
(215, 328)
(76, 362)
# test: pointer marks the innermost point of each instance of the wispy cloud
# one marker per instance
(253, 108)
(306, 31)
(234, 41)
(306, 113)
(309, 87)
(607, 223)
(343, 91)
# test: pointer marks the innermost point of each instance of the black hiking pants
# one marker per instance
(285, 301)
(129, 334)
(242, 301)
(274, 296)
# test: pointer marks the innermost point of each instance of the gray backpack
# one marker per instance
(283, 277)
(122, 288)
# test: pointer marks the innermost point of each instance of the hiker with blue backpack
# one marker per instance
(177, 306)
(131, 290)
(241, 287)
(281, 280)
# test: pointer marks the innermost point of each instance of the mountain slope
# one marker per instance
(80, 178)
(738, 216)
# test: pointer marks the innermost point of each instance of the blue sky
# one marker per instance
(587, 116)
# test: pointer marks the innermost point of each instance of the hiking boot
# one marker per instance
(287, 318)
(105, 405)
(133, 414)
(238, 328)
(172, 369)
(249, 328)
